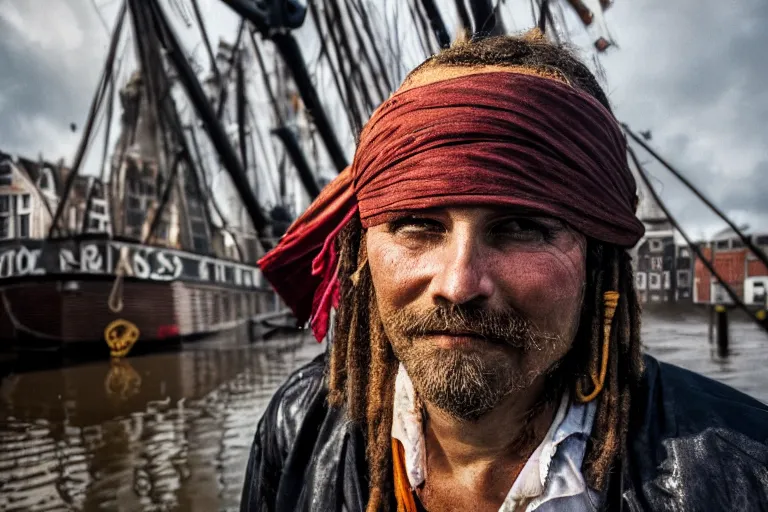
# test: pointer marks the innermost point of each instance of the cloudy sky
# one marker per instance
(692, 71)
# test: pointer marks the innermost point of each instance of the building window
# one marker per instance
(138, 202)
(23, 212)
(685, 253)
(640, 280)
(762, 240)
(722, 245)
(199, 226)
(200, 244)
(23, 226)
(45, 180)
(73, 224)
(737, 243)
(667, 280)
(759, 294)
(683, 279)
(6, 173)
(135, 218)
(163, 230)
(654, 281)
(655, 245)
(5, 217)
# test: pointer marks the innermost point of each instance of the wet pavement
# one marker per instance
(172, 431)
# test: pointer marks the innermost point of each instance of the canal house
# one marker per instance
(655, 256)
(744, 273)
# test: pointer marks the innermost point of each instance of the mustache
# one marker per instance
(505, 327)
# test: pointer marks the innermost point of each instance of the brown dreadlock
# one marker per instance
(363, 366)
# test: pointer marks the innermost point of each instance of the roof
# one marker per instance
(727, 233)
(648, 210)
(659, 234)
(33, 169)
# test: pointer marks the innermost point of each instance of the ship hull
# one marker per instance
(69, 317)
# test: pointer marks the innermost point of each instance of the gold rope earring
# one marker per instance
(355, 277)
(610, 301)
(362, 260)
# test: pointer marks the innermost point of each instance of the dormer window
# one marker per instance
(6, 173)
(46, 181)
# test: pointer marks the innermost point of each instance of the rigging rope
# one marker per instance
(92, 115)
(334, 74)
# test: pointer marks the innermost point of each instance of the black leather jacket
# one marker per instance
(695, 444)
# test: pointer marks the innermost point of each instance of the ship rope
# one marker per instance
(115, 300)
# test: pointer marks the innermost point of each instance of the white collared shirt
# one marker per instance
(551, 478)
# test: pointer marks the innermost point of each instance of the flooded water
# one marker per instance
(158, 432)
(172, 431)
(684, 341)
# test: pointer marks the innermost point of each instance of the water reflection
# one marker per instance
(157, 432)
(122, 381)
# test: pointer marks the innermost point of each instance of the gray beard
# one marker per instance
(462, 384)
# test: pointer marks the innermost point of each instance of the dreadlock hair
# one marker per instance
(362, 366)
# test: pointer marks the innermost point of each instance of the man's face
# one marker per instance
(477, 302)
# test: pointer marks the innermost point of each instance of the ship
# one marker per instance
(138, 254)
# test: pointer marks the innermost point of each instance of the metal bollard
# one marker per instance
(722, 330)
(762, 315)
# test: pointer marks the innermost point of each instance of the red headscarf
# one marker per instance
(487, 139)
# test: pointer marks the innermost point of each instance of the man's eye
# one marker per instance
(415, 225)
(521, 229)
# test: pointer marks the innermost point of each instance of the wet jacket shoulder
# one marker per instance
(695, 444)
(305, 456)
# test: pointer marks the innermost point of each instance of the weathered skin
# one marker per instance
(493, 259)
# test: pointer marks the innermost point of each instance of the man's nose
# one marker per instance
(462, 274)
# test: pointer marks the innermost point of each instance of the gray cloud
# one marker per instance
(51, 62)
(693, 71)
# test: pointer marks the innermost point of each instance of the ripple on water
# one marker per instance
(686, 344)
(179, 440)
